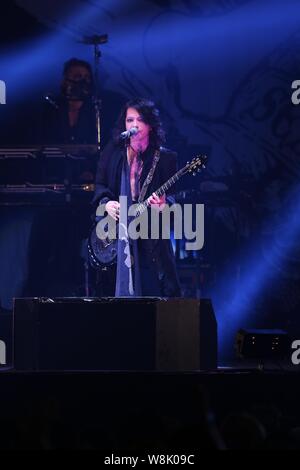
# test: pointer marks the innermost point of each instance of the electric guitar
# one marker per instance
(103, 252)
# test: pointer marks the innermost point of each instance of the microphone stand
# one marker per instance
(96, 40)
(97, 100)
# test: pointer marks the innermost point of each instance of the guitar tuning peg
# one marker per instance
(194, 173)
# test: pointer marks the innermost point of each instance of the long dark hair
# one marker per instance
(150, 115)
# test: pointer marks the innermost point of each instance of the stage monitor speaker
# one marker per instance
(6, 339)
(114, 334)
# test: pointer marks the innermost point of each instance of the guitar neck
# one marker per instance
(161, 190)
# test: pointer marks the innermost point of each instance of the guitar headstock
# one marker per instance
(197, 164)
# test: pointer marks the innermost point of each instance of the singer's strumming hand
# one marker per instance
(157, 202)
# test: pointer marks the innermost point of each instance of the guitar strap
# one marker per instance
(150, 176)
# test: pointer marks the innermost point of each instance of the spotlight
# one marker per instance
(262, 344)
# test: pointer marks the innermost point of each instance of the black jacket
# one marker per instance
(157, 253)
(55, 128)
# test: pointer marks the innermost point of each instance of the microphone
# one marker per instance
(129, 133)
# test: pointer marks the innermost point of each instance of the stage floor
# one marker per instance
(136, 410)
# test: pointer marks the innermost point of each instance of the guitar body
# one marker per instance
(102, 253)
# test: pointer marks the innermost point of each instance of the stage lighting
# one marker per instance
(262, 344)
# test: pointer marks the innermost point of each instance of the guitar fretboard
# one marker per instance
(161, 190)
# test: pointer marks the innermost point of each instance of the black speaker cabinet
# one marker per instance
(114, 334)
(6, 339)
